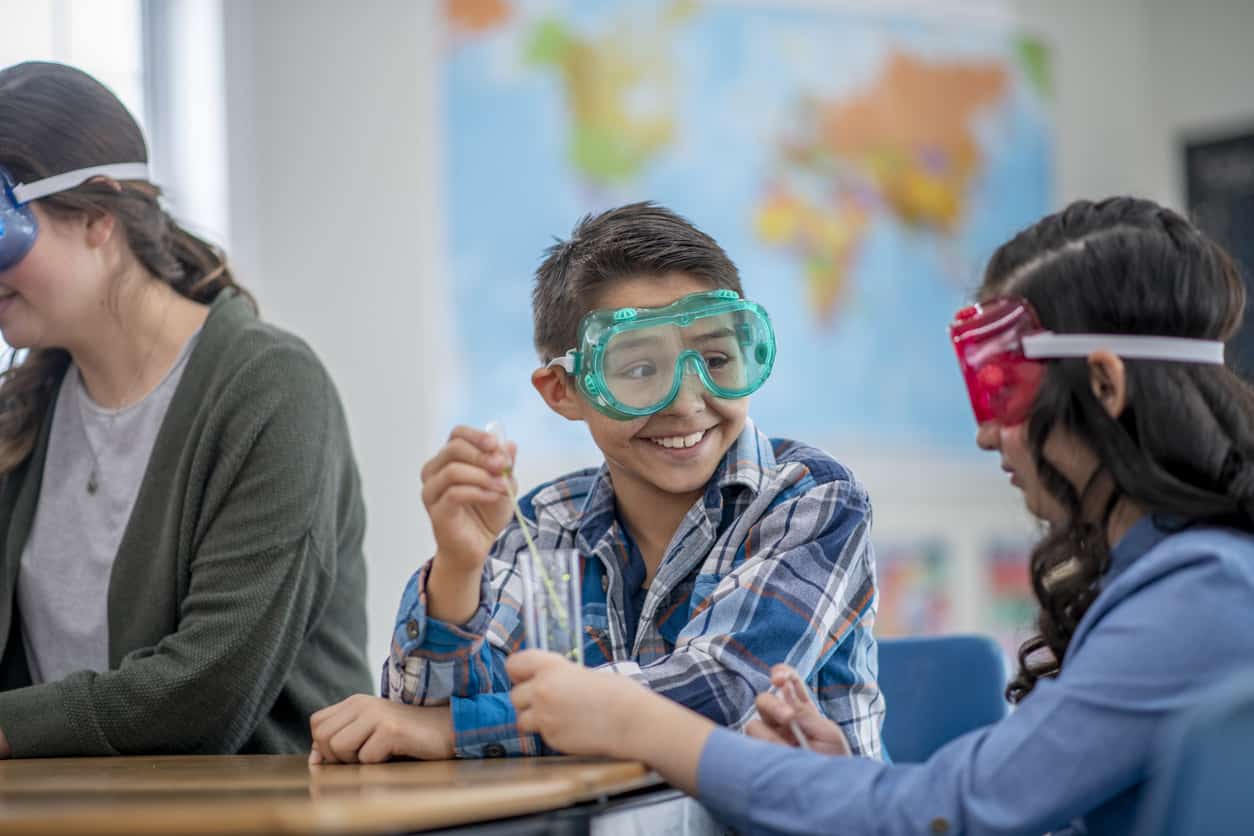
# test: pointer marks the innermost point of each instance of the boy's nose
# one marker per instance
(691, 395)
(987, 435)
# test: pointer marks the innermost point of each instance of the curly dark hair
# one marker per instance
(1183, 447)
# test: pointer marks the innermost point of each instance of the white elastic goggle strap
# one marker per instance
(26, 192)
(1178, 349)
(566, 361)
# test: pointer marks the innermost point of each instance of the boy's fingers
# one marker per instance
(474, 436)
(457, 475)
(328, 727)
(455, 450)
(376, 749)
(346, 742)
(323, 714)
(471, 495)
(460, 450)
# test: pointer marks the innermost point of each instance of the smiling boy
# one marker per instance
(707, 551)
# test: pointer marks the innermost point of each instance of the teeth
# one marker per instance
(679, 441)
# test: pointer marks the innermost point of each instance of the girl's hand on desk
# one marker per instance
(366, 729)
(777, 715)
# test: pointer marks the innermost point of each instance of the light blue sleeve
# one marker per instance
(1075, 743)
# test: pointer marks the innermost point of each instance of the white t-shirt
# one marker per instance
(63, 582)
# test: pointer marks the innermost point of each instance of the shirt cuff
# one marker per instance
(725, 774)
(485, 726)
(416, 634)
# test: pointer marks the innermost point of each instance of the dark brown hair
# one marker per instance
(639, 239)
(54, 119)
(1182, 449)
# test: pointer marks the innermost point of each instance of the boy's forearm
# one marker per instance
(452, 592)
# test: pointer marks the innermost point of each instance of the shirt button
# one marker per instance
(494, 750)
(940, 825)
(411, 628)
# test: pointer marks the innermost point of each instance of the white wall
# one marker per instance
(331, 110)
(186, 109)
(1101, 92)
(1200, 78)
(1133, 78)
(336, 222)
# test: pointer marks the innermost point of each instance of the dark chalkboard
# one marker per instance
(1219, 188)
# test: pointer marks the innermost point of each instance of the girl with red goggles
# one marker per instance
(1002, 350)
(1094, 363)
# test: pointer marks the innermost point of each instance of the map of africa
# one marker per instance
(859, 168)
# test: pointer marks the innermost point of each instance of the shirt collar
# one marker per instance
(1144, 535)
(748, 462)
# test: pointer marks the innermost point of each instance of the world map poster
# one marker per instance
(858, 166)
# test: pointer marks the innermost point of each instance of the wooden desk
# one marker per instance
(280, 793)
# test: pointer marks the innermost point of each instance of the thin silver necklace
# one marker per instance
(93, 479)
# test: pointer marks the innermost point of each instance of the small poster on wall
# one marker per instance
(1011, 608)
(914, 582)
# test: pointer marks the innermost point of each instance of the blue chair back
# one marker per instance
(938, 688)
(1203, 778)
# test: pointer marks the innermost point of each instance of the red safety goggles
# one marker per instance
(1001, 346)
(1001, 381)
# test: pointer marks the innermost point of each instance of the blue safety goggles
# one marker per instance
(18, 225)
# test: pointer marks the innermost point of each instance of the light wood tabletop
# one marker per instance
(283, 794)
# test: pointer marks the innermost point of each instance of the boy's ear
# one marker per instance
(559, 392)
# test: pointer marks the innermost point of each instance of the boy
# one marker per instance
(708, 552)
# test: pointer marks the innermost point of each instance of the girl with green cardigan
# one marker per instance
(181, 518)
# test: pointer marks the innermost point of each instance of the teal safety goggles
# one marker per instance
(631, 362)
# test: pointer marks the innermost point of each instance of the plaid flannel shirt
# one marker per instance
(773, 564)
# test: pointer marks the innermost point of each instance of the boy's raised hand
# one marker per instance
(465, 491)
